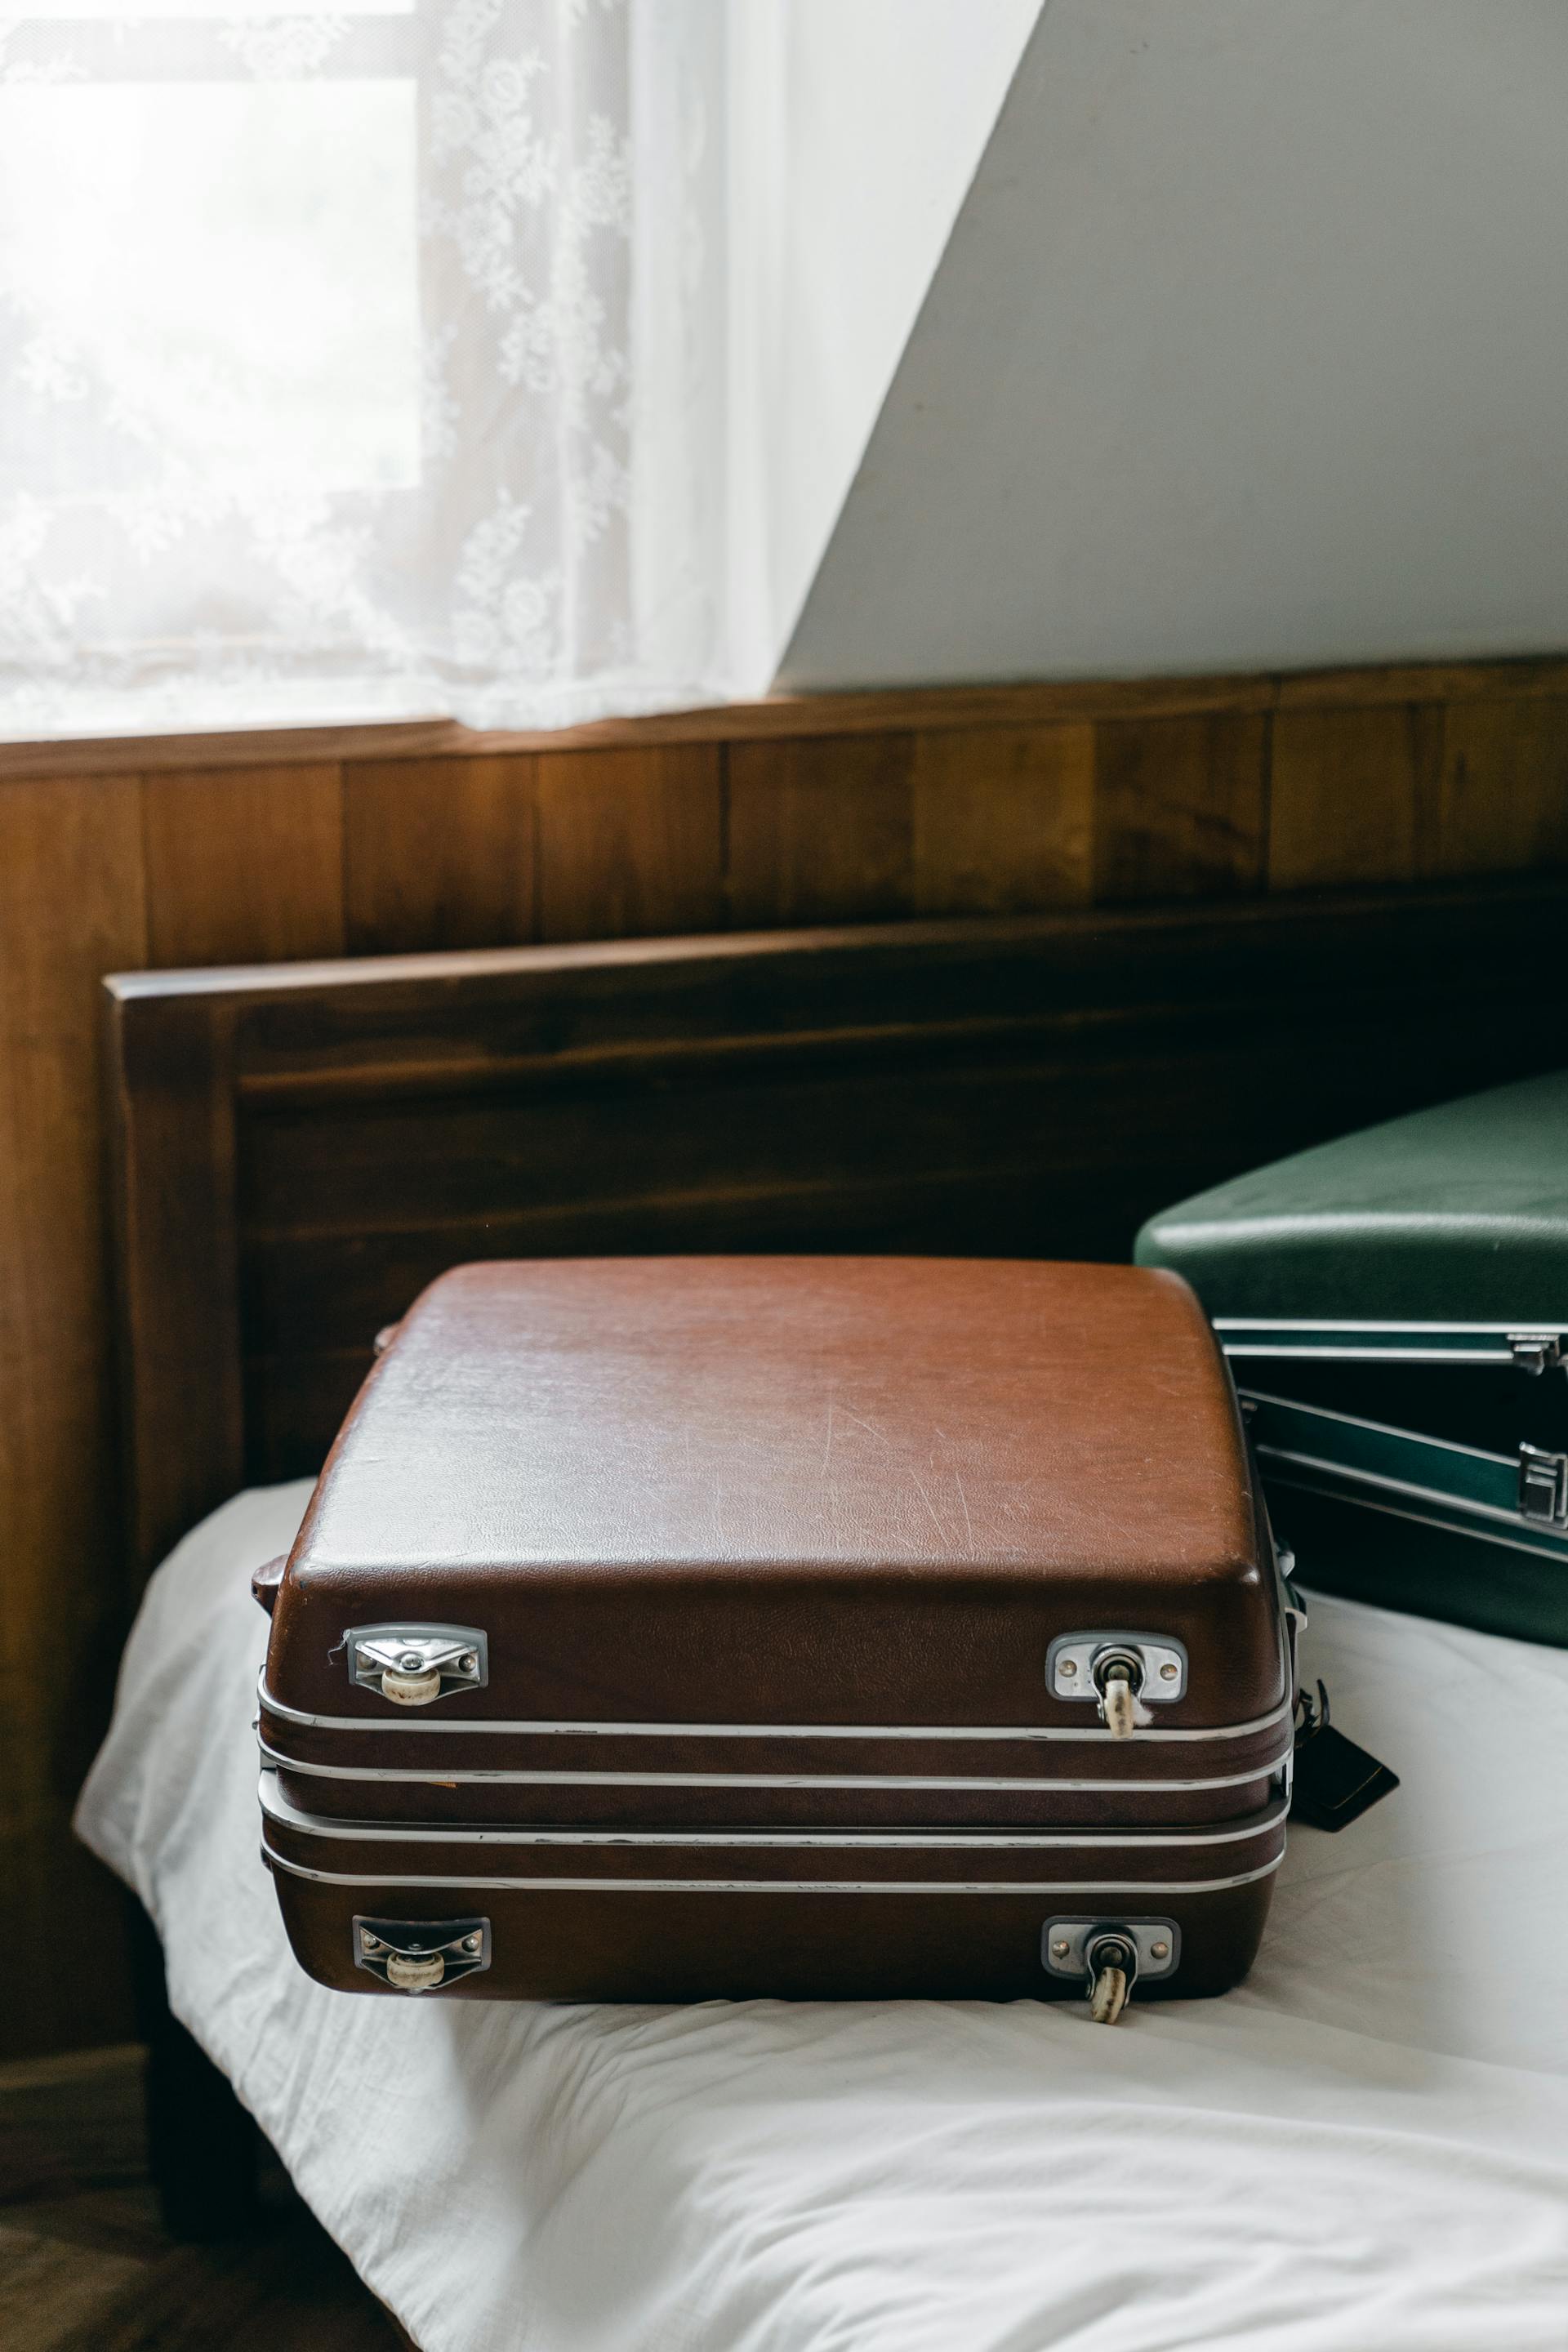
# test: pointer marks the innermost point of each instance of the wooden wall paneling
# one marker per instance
(631, 844)
(879, 710)
(822, 830)
(244, 865)
(1180, 807)
(1003, 820)
(1504, 802)
(1353, 794)
(875, 710)
(439, 853)
(71, 907)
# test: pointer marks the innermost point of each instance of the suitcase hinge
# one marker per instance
(1543, 1487)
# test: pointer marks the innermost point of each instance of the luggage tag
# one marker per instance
(1335, 1781)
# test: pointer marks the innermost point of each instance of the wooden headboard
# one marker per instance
(297, 1149)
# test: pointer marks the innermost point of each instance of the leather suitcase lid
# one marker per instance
(787, 1489)
(1455, 1215)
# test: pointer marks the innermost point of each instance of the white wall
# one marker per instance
(855, 126)
(1250, 348)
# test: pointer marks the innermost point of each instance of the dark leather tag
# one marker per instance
(264, 1584)
(1336, 1781)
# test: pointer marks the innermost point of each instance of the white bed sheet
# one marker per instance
(1364, 2149)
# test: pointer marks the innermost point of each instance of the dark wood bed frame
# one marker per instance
(297, 1149)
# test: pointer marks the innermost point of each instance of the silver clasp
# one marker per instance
(1123, 1674)
(418, 1955)
(1542, 1486)
(1110, 1957)
(412, 1663)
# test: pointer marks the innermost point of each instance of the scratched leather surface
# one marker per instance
(788, 1490)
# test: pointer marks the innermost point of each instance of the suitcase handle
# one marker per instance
(1112, 1965)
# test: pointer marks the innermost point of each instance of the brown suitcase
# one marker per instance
(668, 1629)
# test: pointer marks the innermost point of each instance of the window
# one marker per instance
(317, 337)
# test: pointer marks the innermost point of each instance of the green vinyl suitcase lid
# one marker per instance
(1457, 1215)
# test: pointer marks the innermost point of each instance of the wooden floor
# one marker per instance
(85, 2265)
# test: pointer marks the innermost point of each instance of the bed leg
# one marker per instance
(202, 2145)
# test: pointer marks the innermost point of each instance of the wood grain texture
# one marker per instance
(71, 907)
(1003, 820)
(170, 1116)
(821, 831)
(244, 865)
(631, 844)
(1180, 808)
(1353, 794)
(438, 854)
(1029, 1087)
(1504, 804)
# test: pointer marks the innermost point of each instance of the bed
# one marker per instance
(1367, 2145)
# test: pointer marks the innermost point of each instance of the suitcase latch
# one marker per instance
(412, 1663)
(1536, 1352)
(420, 1955)
(1122, 1675)
(1544, 1485)
(1110, 1955)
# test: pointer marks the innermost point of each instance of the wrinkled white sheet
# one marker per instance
(1364, 2148)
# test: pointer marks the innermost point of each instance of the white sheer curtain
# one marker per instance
(361, 362)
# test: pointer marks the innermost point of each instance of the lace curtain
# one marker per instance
(361, 362)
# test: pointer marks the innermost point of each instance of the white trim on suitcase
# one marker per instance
(454, 1776)
(276, 1807)
(1270, 1335)
(1140, 1888)
(1028, 1731)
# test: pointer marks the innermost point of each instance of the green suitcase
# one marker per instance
(1396, 1308)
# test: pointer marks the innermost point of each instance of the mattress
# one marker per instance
(1366, 2145)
